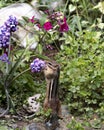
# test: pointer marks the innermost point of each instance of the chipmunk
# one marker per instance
(52, 73)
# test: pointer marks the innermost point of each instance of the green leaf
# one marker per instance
(75, 0)
(43, 19)
(101, 25)
(96, 124)
(25, 18)
(10, 74)
(72, 8)
(40, 49)
(3, 128)
(100, 6)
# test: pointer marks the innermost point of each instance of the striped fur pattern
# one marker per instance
(52, 73)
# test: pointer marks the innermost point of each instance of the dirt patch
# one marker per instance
(20, 122)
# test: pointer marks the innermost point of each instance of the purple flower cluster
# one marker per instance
(4, 37)
(37, 65)
(5, 31)
(4, 58)
(11, 24)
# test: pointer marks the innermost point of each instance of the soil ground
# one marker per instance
(13, 122)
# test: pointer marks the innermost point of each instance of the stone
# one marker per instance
(35, 126)
(1, 110)
(65, 110)
(33, 104)
(7, 116)
(54, 4)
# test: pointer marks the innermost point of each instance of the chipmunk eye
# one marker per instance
(49, 63)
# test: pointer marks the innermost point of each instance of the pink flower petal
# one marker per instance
(47, 26)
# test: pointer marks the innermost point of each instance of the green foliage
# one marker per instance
(96, 124)
(75, 125)
(82, 61)
(3, 128)
(78, 124)
(83, 75)
(17, 77)
(45, 114)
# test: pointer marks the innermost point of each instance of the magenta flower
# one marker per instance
(63, 25)
(47, 26)
(32, 20)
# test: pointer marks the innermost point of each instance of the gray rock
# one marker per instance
(54, 4)
(2, 110)
(33, 105)
(35, 126)
(65, 111)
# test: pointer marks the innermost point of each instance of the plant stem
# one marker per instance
(5, 84)
(65, 6)
(18, 76)
(8, 101)
(78, 21)
(9, 49)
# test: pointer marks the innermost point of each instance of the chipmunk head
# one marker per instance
(50, 69)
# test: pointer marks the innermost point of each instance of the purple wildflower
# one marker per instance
(11, 23)
(4, 37)
(37, 65)
(4, 58)
(5, 31)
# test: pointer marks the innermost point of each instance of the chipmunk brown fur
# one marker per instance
(52, 73)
